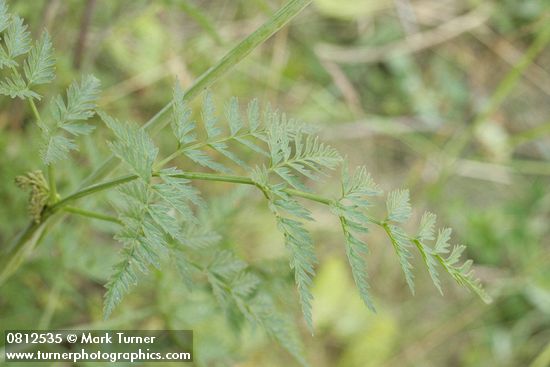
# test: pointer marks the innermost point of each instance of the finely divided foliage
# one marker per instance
(161, 214)
(293, 153)
(68, 118)
(357, 190)
(38, 67)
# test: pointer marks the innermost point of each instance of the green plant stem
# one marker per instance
(187, 175)
(543, 359)
(91, 190)
(181, 150)
(52, 184)
(35, 110)
(168, 159)
(91, 214)
(200, 145)
(22, 246)
(202, 176)
(309, 196)
(51, 169)
(278, 20)
(538, 132)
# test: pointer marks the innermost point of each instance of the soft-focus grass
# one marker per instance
(402, 115)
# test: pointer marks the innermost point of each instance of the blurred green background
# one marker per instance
(450, 98)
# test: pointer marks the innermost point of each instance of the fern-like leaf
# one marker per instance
(209, 116)
(184, 130)
(16, 87)
(224, 274)
(431, 263)
(462, 274)
(182, 125)
(426, 233)
(401, 244)
(278, 327)
(55, 147)
(81, 101)
(177, 192)
(124, 277)
(233, 116)
(244, 284)
(233, 284)
(426, 230)
(302, 253)
(162, 216)
(144, 242)
(309, 156)
(355, 251)
(203, 159)
(442, 243)
(226, 265)
(69, 118)
(17, 38)
(357, 191)
(200, 237)
(223, 149)
(40, 65)
(133, 146)
(4, 16)
(398, 206)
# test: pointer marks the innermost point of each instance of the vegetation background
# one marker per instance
(450, 98)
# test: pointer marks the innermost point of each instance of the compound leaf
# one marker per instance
(133, 146)
(40, 65)
(398, 206)
(17, 38)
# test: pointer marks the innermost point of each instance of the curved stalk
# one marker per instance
(91, 214)
(91, 190)
(187, 175)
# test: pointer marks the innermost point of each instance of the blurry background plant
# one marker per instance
(449, 98)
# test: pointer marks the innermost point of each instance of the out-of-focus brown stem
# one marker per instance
(49, 13)
(80, 46)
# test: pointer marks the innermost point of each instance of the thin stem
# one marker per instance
(215, 177)
(200, 145)
(187, 175)
(35, 110)
(168, 159)
(309, 196)
(51, 168)
(52, 184)
(91, 214)
(91, 190)
(537, 132)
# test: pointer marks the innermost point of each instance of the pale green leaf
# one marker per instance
(39, 67)
(17, 38)
(398, 206)
(133, 146)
